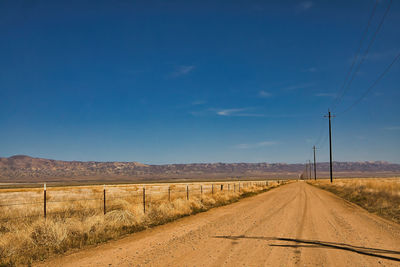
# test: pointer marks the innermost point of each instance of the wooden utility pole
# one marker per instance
(315, 165)
(44, 201)
(144, 199)
(104, 200)
(330, 144)
(306, 174)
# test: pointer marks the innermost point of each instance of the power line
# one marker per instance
(323, 143)
(321, 139)
(350, 75)
(363, 57)
(373, 84)
(357, 53)
(321, 132)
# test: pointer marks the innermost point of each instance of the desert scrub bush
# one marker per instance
(377, 195)
(83, 223)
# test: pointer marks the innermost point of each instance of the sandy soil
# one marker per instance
(296, 224)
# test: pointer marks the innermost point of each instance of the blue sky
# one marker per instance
(195, 81)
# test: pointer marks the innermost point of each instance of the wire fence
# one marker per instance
(75, 201)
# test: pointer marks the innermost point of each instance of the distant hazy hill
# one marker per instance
(27, 169)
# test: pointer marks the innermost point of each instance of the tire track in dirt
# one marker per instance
(233, 249)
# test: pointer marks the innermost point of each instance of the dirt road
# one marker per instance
(296, 224)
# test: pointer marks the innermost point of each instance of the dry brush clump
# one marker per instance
(377, 195)
(76, 224)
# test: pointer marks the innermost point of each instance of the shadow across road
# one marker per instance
(304, 243)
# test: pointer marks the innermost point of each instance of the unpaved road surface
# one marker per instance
(293, 225)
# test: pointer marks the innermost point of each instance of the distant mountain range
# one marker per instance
(22, 168)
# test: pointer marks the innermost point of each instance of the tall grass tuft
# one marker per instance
(377, 195)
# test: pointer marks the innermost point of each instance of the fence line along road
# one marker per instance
(143, 194)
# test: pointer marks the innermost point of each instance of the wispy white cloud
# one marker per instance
(219, 111)
(241, 112)
(263, 93)
(392, 128)
(230, 112)
(257, 145)
(304, 6)
(238, 112)
(183, 70)
(326, 94)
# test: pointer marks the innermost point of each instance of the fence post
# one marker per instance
(212, 189)
(44, 201)
(144, 199)
(222, 187)
(201, 191)
(187, 192)
(239, 187)
(234, 187)
(169, 193)
(104, 199)
(229, 187)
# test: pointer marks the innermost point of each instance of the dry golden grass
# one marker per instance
(75, 214)
(377, 195)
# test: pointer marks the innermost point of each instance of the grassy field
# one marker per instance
(75, 215)
(377, 195)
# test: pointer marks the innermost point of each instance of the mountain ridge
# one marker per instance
(23, 168)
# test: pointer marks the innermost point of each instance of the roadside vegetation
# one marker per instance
(377, 195)
(73, 223)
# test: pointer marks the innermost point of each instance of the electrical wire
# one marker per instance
(336, 100)
(347, 88)
(372, 85)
